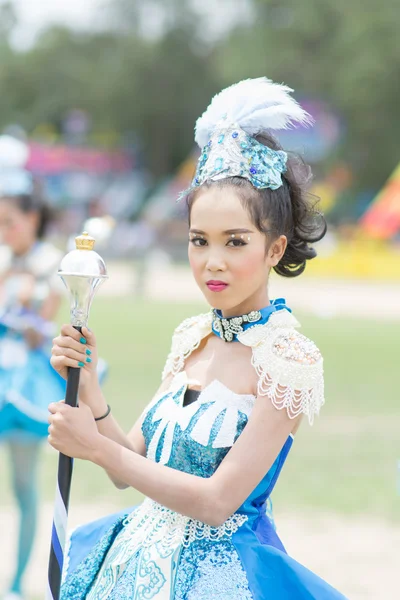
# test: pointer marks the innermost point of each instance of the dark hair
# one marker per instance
(289, 210)
(34, 202)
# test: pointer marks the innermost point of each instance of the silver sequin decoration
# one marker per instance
(229, 327)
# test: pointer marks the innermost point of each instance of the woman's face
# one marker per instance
(229, 257)
(17, 228)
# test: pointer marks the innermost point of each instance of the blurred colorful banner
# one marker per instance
(51, 159)
(382, 219)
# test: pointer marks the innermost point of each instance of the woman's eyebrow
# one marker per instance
(197, 231)
(227, 232)
(231, 231)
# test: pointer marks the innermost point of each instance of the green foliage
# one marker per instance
(346, 52)
(8, 20)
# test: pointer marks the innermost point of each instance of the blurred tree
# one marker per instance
(168, 83)
(123, 81)
(346, 52)
(8, 20)
(160, 96)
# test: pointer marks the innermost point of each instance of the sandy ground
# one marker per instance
(323, 297)
(359, 556)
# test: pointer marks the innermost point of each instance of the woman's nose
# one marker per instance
(215, 262)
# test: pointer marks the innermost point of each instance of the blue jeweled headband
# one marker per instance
(227, 132)
(231, 152)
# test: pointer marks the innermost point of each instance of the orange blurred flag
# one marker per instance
(382, 219)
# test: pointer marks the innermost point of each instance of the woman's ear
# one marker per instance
(277, 250)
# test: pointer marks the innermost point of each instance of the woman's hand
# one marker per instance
(73, 431)
(74, 349)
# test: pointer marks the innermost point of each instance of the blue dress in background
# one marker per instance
(27, 381)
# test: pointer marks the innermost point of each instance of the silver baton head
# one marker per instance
(82, 271)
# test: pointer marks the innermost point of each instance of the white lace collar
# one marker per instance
(289, 366)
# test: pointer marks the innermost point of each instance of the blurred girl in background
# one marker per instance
(29, 300)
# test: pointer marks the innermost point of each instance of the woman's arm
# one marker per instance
(74, 349)
(110, 428)
(210, 500)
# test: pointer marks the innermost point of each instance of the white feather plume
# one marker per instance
(256, 105)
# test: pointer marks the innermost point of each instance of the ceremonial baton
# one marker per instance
(82, 271)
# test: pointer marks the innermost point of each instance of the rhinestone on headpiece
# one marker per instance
(231, 152)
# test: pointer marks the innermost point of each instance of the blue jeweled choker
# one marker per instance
(228, 328)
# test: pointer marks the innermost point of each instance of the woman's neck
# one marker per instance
(250, 304)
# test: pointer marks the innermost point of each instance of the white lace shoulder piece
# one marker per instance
(187, 337)
(289, 365)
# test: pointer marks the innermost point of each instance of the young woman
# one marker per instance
(210, 446)
(29, 300)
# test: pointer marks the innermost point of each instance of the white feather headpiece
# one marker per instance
(255, 105)
(227, 132)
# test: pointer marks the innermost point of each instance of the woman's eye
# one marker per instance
(198, 241)
(236, 242)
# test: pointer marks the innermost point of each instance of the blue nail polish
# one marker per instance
(88, 352)
(88, 360)
(83, 340)
(81, 364)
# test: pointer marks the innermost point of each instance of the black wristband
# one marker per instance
(105, 414)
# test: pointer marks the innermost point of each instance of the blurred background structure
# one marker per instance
(106, 94)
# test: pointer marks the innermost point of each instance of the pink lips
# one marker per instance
(216, 286)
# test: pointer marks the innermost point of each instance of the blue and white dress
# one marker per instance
(152, 552)
(27, 381)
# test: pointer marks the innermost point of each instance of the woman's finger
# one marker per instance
(69, 331)
(89, 336)
(65, 341)
(57, 407)
(52, 441)
(60, 362)
(81, 356)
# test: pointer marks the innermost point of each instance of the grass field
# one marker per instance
(346, 463)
